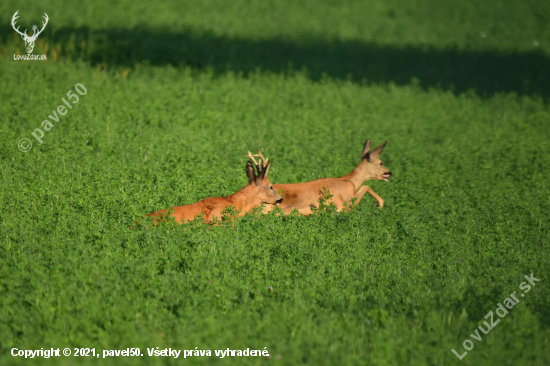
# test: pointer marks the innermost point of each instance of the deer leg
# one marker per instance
(214, 213)
(338, 202)
(365, 189)
(268, 208)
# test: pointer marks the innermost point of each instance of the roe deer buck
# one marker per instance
(302, 195)
(258, 190)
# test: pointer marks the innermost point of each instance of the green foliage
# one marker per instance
(177, 93)
(325, 203)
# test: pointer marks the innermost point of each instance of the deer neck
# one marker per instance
(360, 174)
(244, 199)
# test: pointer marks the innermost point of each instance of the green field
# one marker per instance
(177, 93)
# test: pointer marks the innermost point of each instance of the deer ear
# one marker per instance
(376, 152)
(366, 149)
(251, 175)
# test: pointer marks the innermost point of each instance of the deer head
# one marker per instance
(263, 189)
(29, 41)
(375, 168)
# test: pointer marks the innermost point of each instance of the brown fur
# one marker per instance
(343, 189)
(258, 190)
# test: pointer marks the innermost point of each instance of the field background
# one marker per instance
(178, 92)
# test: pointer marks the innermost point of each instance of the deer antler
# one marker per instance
(35, 34)
(264, 166)
(263, 161)
(13, 25)
(254, 160)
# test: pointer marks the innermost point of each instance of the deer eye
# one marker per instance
(380, 163)
(271, 187)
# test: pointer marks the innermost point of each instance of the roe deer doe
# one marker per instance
(302, 195)
(258, 190)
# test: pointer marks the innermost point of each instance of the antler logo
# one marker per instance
(29, 41)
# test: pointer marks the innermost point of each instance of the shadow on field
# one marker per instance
(486, 73)
(473, 304)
